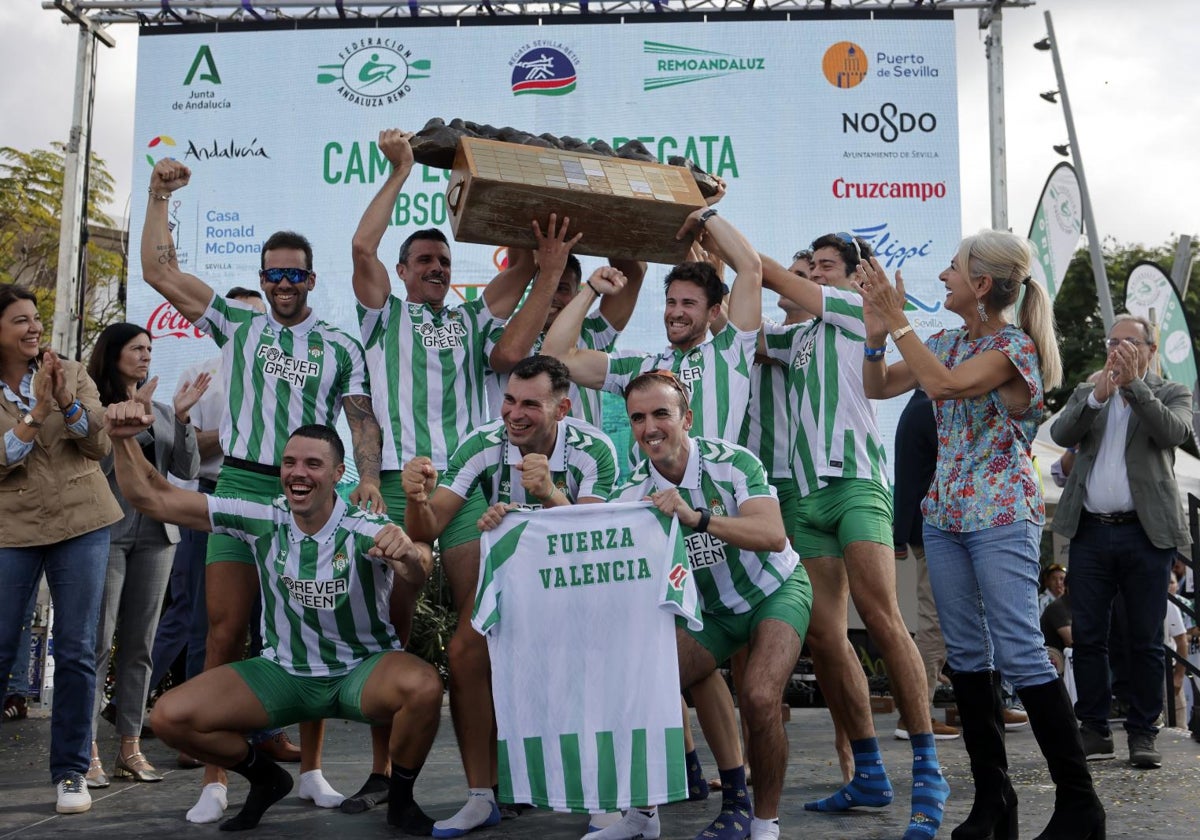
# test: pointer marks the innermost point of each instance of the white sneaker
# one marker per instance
(73, 796)
(635, 825)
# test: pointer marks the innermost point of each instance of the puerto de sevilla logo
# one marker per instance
(844, 64)
(374, 71)
(680, 65)
(1066, 212)
(544, 68)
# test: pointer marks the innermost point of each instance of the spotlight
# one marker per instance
(1050, 96)
(1043, 44)
(1062, 150)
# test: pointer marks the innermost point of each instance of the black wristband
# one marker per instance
(701, 527)
(595, 291)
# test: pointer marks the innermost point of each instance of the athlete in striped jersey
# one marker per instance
(282, 369)
(428, 360)
(524, 335)
(753, 589)
(534, 457)
(718, 370)
(844, 531)
(326, 570)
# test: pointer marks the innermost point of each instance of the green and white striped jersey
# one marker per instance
(717, 371)
(719, 477)
(324, 600)
(584, 463)
(836, 433)
(429, 368)
(767, 430)
(578, 605)
(279, 378)
(597, 334)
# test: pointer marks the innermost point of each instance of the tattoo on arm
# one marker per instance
(366, 435)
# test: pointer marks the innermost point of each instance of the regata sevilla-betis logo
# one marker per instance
(543, 68)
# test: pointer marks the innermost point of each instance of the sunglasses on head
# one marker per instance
(667, 377)
(850, 240)
(278, 275)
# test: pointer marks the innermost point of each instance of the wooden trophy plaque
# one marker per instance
(626, 209)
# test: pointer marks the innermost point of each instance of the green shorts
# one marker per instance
(724, 634)
(789, 502)
(459, 530)
(289, 698)
(235, 483)
(847, 510)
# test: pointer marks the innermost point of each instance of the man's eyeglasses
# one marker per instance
(1114, 343)
(294, 276)
(850, 240)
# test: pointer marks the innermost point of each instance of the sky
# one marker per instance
(1131, 70)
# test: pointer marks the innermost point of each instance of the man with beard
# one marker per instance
(280, 369)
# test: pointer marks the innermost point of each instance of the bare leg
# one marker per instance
(774, 649)
(470, 671)
(229, 589)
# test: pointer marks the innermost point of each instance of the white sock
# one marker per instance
(764, 829)
(603, 819)
(314, 788)
(211, 805)
(479, 808)
(635, 823)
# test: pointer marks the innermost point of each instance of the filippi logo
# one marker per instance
(543, 68)
(844, 64)
(374, 71)
(690, 64)
(891, 251)
(889, 123)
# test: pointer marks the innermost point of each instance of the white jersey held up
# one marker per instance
(578, 605)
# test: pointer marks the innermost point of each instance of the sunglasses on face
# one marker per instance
(294, 276)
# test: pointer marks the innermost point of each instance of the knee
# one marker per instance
(427, 692)
(761, 705)
(467, 651)
(168, 720)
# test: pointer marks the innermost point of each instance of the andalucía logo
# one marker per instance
(544, 68)
(374, 71)
(688, 64)
(160, 140)
(844, 64)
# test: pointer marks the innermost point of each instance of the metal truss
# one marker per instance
(257, 12)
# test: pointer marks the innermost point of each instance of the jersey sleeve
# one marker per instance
(750, 478)
(844, 310)
(737, 348)
(780, 340)
(496, 548)
(465, 466)
(486, 326)
(597, 333)
(223, 317)
(623, 368)
(353, 378)
(241, 519)
(598, 471)
(373, 323)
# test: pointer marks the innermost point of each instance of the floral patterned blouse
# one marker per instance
(985, 475)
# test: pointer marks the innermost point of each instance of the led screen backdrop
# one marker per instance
(817, 126)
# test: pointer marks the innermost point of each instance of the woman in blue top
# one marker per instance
(984, 512)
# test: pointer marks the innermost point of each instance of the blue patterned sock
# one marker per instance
(697, 785)
(870, 785)
(929, 791)
(733, 823)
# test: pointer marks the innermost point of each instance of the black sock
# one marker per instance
(268, 784)
(403, 811)
(373, 792)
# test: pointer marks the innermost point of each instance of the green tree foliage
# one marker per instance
(1077, 308)
(31, 190)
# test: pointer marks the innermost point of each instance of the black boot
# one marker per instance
(1078, 814)
(994, 814)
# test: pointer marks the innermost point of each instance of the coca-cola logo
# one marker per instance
(166, 322)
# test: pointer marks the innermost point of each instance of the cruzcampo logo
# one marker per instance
(155, 142)
(374, 71)
(204, 67)
(679, 65)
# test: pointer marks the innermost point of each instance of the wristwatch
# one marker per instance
(706, 215)
(29, 421)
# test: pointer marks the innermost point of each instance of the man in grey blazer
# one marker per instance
(1122, 513)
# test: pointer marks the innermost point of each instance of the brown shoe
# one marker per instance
(186, 762)
(1015, 719)
(279, 748)
(943, 732)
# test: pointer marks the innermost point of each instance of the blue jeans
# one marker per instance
(75, 570)
(18, 681)
(1107, 562)
(985, 585)
(180, 629)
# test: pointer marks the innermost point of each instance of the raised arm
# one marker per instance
(802, 290)
(727, 243)
(588, 367)
(617, 309)
(526, 325)
(504, 292)
(160, 267)
(372, 283)
(428, 508)
(141, 483)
